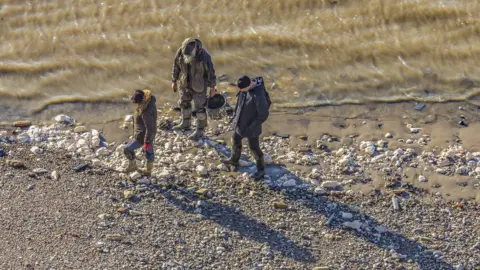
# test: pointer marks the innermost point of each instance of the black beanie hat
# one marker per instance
(137, 96)
(243, 82)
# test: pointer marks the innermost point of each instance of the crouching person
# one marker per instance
(145, 129)
(252, 109)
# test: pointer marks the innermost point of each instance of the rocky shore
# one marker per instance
(368, 204)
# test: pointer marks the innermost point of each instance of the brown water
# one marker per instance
(317, 52)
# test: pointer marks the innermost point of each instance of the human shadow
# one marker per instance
(229, 217)
(370, 229)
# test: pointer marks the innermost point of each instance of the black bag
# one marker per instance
(267, 96)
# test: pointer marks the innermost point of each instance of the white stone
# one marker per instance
(62, 118)
(388, 136)
(103, 151)
(96, 162)
(81, 143)
(412, 129)
(381, 229)
(223, 167)
(40, 171)
(290, 183)
(144, 181)
(55, 175)
(201, 170)
(422, 179)
(370, 149)
(320, 191)
(441, 171)
(377, 158)
(330, 184)
(357, 225)
(80, 129)
(340, 152)
(409, 141)
(345, 160)
(346, 215)
(135, 175)
(36, 150)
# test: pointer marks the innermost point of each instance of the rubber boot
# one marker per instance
(260, 173)
(186, 120)
(234, 158)
(148, 169)
(132, 166)
(199, 131)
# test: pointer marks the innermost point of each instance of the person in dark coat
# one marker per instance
(251, 110)
(192, 74)
(144, 128)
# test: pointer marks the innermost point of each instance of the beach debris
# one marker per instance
(80, 129)
(356, 225)
(22, 123)
(80, 167)
(36, 150)
(419, 106)
(395, 203)
(201, 170)
(55, 175)
(413, 129)
(64, 119)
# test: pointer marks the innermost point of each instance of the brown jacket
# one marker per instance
(197, 75)
(145, 119)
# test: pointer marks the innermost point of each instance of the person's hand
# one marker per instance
(174, 87)
(212, 92)
(146, 146)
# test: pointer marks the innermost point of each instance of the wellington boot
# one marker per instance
(148, 169)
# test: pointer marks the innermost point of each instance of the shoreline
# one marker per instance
(317, 198)
(194, 213)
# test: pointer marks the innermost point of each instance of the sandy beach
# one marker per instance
(327, 201)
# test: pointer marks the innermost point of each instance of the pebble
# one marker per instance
(346, 215)
(80, 129)
(55, 175)
(30, 187)
(128, 194)
(330, 184)
(135, 175)
(280, 205)
(114, 237)
(102, 151)
(243, 163)
(223, 167)
(388, 136)
(422, 179)
(381, 229)
(36, 150)
(357, 225)
(201, 170)
(64, 119)
(290, 183)
(320, 191)
(40, 171)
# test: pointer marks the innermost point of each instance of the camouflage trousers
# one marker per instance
(200, 100)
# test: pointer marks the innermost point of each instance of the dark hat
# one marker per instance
(137, 96)
(189, 48)
(243, 82)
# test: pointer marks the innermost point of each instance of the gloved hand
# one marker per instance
(146, 147)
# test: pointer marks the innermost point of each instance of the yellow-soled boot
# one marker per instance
(148, 169)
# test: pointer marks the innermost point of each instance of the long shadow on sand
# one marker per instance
(228, 217)
(412, 250)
